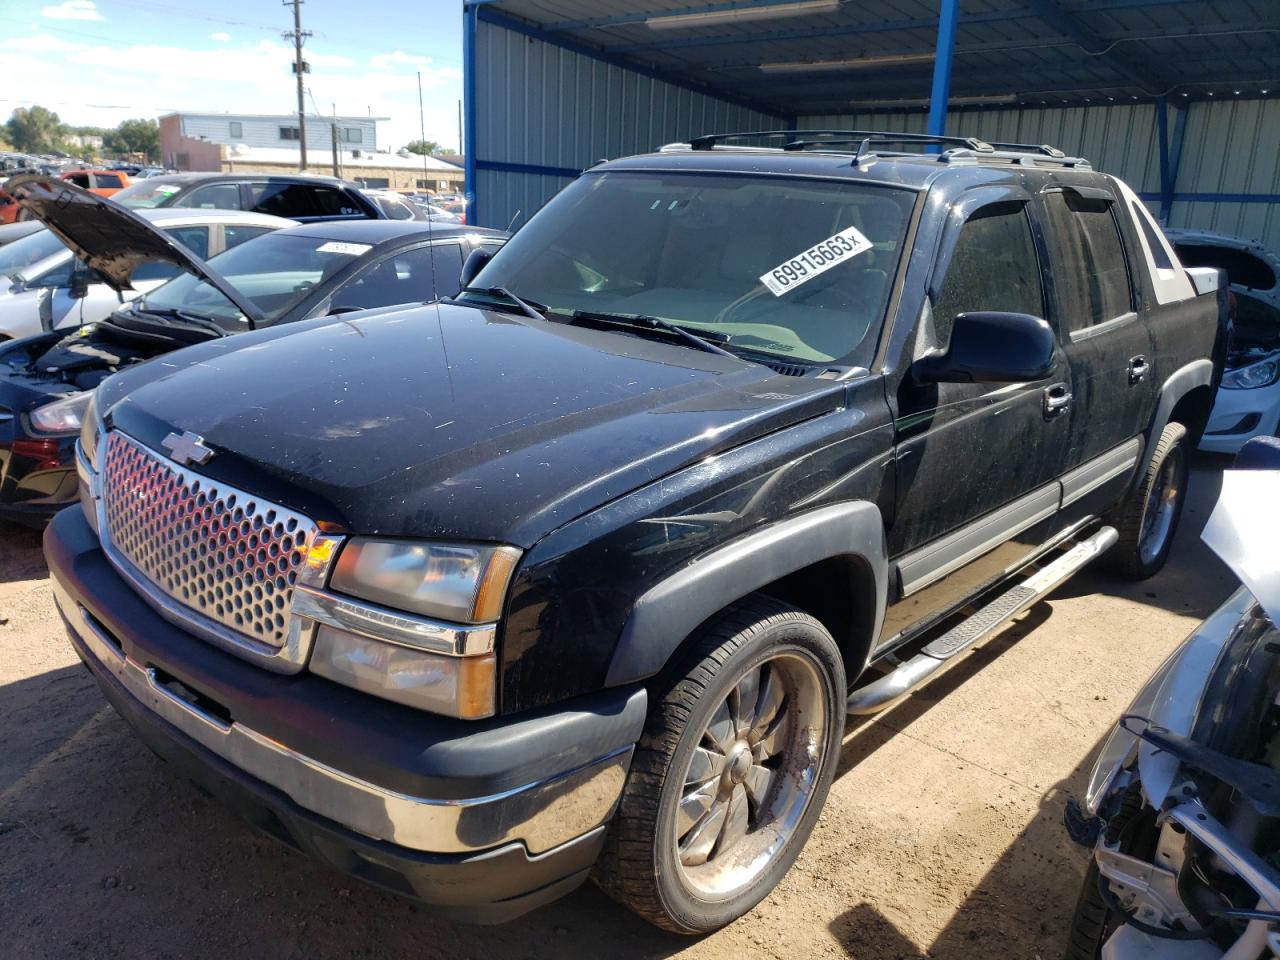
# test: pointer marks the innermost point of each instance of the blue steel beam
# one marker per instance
(470, 12)
(641, 16)
(1175, 161)
(941, 91)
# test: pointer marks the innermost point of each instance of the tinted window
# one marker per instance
(994, 267)
(79, 179)
(404, 277)
(195, 239)
(282, 199)
(215, 196)
(109, 180)
(233, 236)
(1159, 255)
(448, 258)
(335, 203)
(1090, 273)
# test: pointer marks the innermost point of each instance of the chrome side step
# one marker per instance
(938, 653)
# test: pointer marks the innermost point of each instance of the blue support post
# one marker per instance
(1162, 134)
(941, 93)
(1175, 161)
(469, 21)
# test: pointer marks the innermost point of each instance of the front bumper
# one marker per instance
(495, 816)
(1240, 415)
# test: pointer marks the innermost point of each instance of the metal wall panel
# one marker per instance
(543, 105)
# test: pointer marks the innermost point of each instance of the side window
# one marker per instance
(403, 277)
(1090, 273)
(59, 276)
(109, 180)
(79, 179)
(195, 239)
(290, 200)
(448, 258)
(994, 267)
(233, 236)
(335, 203)
(215, 196)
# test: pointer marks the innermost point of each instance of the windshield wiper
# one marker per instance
(704, 343)
(173, 313)
(529, 308)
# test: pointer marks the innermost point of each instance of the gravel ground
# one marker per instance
(941, 838)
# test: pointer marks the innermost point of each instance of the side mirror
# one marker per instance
(474, 263)
(993, 348)
(79, 285)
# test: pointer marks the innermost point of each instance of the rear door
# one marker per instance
(1107, 343)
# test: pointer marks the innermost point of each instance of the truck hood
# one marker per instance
(110, 238)
(451, 421)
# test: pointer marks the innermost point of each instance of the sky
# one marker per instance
(97, 62)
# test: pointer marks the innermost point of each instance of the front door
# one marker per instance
(977, 464)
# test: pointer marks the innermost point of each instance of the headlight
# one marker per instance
(63, 417)
(89, 431)
(461, 584)
(1261, 374)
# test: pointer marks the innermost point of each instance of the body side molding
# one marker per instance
(665, 615)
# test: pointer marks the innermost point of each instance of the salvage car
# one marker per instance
(313, 270)
(304, 197)
(578, 573)
(1183, 802)
(1248, 403)
(60, 291)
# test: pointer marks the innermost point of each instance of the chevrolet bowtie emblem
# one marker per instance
(186, 448)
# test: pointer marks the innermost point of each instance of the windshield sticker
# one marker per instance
(819, 258)
(166, 190)
(341, 246)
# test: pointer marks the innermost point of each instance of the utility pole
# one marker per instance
(300, 66)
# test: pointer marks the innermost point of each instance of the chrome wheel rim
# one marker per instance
(751, 775)
(1162, 508)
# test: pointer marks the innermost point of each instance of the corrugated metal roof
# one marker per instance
(1037, 51)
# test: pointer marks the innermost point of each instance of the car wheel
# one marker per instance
(737, 756)
(1148, 520)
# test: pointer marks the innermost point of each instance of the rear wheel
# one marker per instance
(1148, 520)
(736, 760)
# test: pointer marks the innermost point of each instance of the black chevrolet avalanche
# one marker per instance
(578, 573)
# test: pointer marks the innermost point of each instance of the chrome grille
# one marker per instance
(216, 550)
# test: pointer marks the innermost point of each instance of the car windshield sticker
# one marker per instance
(819, 258)
(340, 246)
(166, 190)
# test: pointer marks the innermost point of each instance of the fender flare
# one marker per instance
(1197, 373)
(671, 610)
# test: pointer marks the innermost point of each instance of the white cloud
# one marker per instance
(221, 36)
(397, 58)
(73, 10)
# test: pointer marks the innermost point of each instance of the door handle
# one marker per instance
(1138, 369)
(1057, 399)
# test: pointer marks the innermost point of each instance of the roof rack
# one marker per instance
(962, 149)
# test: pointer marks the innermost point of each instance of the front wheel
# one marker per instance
(730, 775)
(1148, 520)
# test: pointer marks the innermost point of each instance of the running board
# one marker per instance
(940, 652)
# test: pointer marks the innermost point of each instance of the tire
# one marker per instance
(1148, 520)
(1092, 924)
(689, 796)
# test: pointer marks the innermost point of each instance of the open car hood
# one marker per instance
(111, 238)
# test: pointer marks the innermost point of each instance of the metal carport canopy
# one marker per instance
(789, 59)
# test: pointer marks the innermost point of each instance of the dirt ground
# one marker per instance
(942, 836)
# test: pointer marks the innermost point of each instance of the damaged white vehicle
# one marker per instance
(1183, 805)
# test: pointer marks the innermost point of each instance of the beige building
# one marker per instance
(406, 172)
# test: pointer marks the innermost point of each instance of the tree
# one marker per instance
(134, 136)
(424, 147)
(34, 130)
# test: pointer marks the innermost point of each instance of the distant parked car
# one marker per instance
(1247, 404)
(46, 287)
(395, 205)
(104, 183)
(305, 198)
(304, 272)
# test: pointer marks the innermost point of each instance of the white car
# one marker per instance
(44, 287)
(1248, 402)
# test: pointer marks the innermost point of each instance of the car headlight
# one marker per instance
(1261, 374)
(63, 417)
(458, 583)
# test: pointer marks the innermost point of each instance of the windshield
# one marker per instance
(16, 257)
(800, 269)
(275, 271)
(146, 194)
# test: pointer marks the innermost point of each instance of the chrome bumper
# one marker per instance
(540, 815)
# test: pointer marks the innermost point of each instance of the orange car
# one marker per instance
(102, 182)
